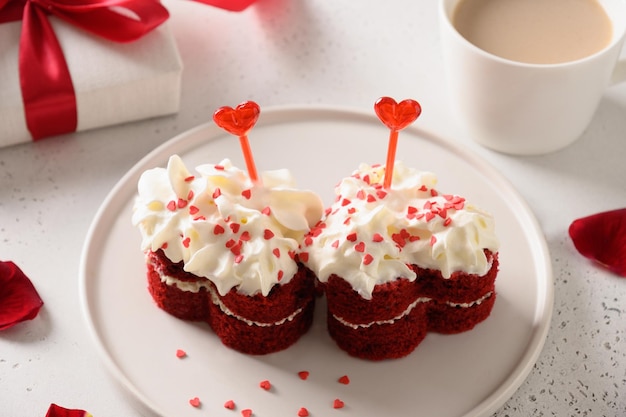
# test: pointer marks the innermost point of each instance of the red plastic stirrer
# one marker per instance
(396, 116)
(238, 122)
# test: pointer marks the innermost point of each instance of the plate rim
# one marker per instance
(542, 314)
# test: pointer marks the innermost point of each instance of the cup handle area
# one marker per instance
(619, 72)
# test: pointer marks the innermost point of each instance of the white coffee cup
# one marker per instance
(528, 109)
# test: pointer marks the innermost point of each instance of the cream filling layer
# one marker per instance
(196, 286)
(408, 311)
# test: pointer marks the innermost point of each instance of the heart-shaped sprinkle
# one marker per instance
(246, 194)
(237, 121)
(303, 375)
(338, 403)
(368, 259)
(268, 234)
(230, 404)
(397, 116)
(360, 247)
(276, 252)
(180, 353)
(195, 402)
(265, 385)
(303, 412)
(344, 380)
(246, 412)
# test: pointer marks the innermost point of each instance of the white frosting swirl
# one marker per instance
(371, 235)
(223, 226)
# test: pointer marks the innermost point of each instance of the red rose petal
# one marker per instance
(58, 411)
(19, 300)
(602, 238)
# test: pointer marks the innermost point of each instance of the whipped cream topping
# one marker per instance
(371, 235)
(223, 226)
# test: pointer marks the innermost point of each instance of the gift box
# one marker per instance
(113, 82)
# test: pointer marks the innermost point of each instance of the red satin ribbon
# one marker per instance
(47, 88)
(232, 5)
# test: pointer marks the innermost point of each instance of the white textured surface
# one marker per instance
(282, 52)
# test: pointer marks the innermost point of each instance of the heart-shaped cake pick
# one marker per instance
(396, 116)
(238, 122)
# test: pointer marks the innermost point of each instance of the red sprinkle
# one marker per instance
(335, 244)
(218, 229)
(246, 194)
(164, 246)
(378, 237)
(234, 227)
(304, 256)
(246, 412)
(230, 404)
(447, 221)
(433, 192)
(186, 242)
(189, 178)
(195, 402)
(276, 252)
(360, 195)
(338, 403)
(267, 211)
(344, 380)
(219, 167)
(180, 353)
(433, 240)
(367, 259)
(265, 385)
(370, 198)
(381, 194)
(351, 237)
(412, 210)
(360, 247)
(245, 236)
(280, 275)
(171, 206)
(238, 259)
(423, 188)
(268, 234)
(217, 193)
(193, 210)
(345, 202)
(303, 375)
(303, 412)
(190, 195)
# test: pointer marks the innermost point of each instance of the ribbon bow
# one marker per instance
(47, 88)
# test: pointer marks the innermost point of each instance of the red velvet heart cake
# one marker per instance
(222, 248)
(397, 263)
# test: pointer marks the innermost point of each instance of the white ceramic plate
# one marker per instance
(470, 374)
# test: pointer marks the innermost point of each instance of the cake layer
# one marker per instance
(381, 341)
(250, 324)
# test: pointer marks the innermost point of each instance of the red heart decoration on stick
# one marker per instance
(237, 121)
(397, 116)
